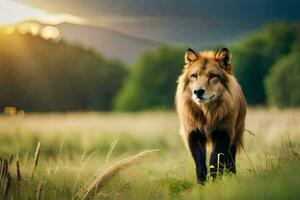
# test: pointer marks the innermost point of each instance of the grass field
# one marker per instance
(77, 147)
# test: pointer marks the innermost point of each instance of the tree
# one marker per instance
(152, 81)
(40, 75)
(254, 57)
(282, 84)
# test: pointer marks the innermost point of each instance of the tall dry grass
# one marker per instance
(111, 171)
(5, 179)
(36, 158)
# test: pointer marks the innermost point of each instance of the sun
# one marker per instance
(12, 12)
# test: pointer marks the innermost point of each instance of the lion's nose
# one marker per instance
(199, 92)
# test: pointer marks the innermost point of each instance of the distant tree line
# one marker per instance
(267, 65)
(151, 82)
(41, 75)
(256, 59)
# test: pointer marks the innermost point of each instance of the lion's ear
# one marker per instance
(190, 55)
(224, 58)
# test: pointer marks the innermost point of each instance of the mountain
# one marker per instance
(111, 44)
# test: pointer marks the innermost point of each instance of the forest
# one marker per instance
(46, 75)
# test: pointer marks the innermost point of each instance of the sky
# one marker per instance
(181, 21)
(13, 12)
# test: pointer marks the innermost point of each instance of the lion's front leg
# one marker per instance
(197, 146)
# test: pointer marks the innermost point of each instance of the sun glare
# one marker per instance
(12, 12)
(50, 32)
(33, 28)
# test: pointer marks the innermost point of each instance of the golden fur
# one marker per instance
(226, 112)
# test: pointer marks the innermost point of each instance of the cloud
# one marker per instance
(170, 8)
(181, 21)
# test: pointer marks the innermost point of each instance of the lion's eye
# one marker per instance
(211, 76)
(193, 77)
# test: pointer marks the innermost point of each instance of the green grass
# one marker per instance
(74, 147)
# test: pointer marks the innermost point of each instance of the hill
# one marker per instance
(111, 44)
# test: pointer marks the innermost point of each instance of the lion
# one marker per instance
(211, 108)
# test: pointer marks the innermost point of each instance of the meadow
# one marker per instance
(75, 148)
